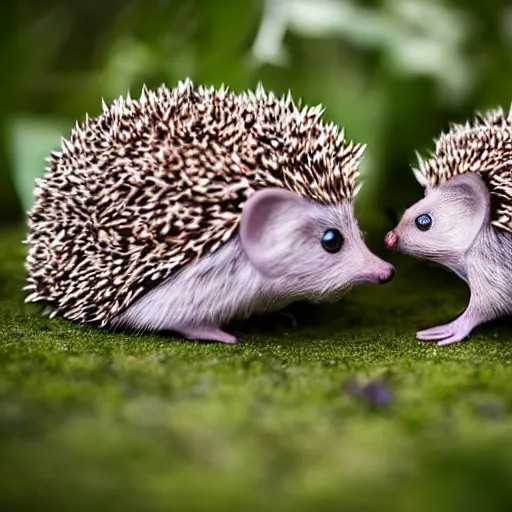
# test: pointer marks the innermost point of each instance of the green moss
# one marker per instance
(91, 419)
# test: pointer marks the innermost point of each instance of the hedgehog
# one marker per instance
(195, 206)
(464, 221)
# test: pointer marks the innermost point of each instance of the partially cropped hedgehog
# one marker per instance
(191, 207)
(465, 220)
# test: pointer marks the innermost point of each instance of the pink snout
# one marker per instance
(390, 240)
(386, 276)
(377, 271)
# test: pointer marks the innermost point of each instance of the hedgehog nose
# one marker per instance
(391, 239)
(389, 277)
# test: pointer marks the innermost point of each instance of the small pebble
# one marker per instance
(378, 393)
(375, 392)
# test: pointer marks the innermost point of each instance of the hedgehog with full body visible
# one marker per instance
(191, 207)
(464, 221)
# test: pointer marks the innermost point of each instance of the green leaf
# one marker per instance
(30, 141)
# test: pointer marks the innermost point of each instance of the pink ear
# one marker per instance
(271, 219)
(471, 188)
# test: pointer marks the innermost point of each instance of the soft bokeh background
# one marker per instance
(393, 72)
(96, 421)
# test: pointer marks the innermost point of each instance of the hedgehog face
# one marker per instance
(443, 226)
(305, 247)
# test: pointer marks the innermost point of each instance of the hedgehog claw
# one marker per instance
(208, 333)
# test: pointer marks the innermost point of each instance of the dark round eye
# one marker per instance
(424, 222)
(332, 240)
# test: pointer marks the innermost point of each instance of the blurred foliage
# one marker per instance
(393, 72)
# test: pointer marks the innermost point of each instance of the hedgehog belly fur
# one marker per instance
(214, 290)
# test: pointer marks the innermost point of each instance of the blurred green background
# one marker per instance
(92, 420)
(393, 72)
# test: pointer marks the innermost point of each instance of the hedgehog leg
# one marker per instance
(207, 332)
(290, 317)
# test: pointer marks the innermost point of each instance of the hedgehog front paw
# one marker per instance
(207, 333)
(459, 334)
(453, 332)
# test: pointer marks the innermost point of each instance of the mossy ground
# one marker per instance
(92, 420)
